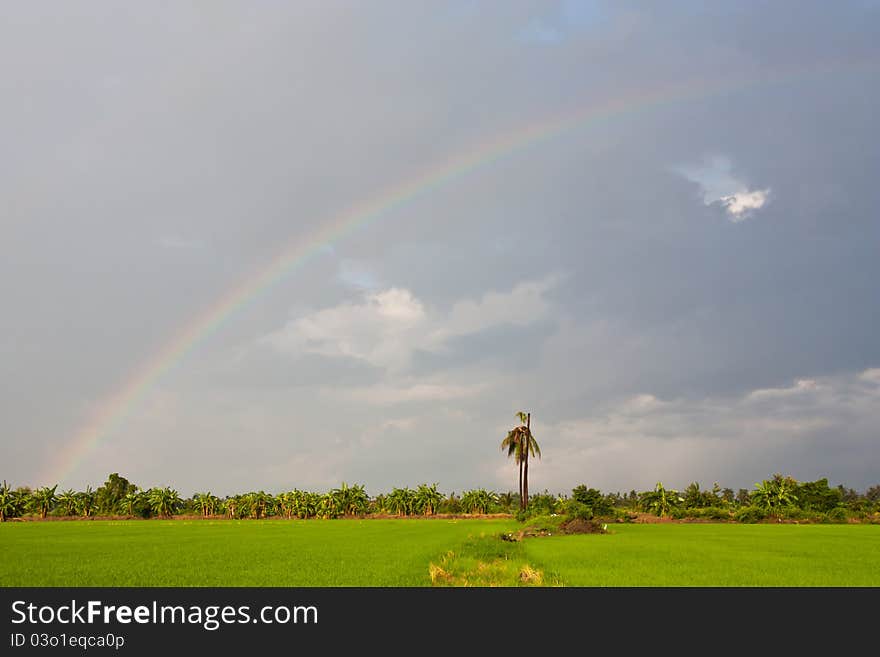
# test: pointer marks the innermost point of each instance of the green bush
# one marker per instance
(837, 514)
(707, 513)
(579, 510)
(793, 513)
(542, 503)
(715, 513)
(750, 514)
(623, 515)
(545, 524)
(593, 498)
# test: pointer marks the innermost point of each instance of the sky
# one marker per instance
(266, 246)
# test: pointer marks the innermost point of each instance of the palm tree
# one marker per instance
(519, 443)
(43, 499)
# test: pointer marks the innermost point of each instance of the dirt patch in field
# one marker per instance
(649, 519)
(580, 526)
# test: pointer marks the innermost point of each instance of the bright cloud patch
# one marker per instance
(386, 328)
(741, 204)
(720, 186)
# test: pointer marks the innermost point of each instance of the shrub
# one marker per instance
(677, 513)
(594, 499)
(750, 514)
(542, 503)
(578, 510)
(716, 513)
(793, 513)
(622, 515)
(837, 514)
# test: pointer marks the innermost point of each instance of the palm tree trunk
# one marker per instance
(520, 464)
(525, 491)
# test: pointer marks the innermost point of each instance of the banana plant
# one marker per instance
(401, 501)
(164, 502)
(130, 500)
(43, 499)
(85, 502)
(67, 501)
(427, 499)
(478, 500)
(661, 500)
(10, 503)
(351, 500)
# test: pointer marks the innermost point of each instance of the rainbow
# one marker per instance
(114, 410)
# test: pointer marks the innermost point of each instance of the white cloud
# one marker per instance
(382, 330)
(800, 386)
(720, 186)
(871, 375)
(740, 204)
(523, 305)
(385, 328)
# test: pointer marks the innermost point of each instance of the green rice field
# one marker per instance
(397, 553)
(672, 554)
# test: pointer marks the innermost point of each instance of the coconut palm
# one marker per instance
(520, 443)
(43, 499)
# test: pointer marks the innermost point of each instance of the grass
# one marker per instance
(486, 560)
(414, 552)
(714, 555)
(230, 553)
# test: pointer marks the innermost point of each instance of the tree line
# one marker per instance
(780, 497)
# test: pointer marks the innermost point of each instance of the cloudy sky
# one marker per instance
(275, 245)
